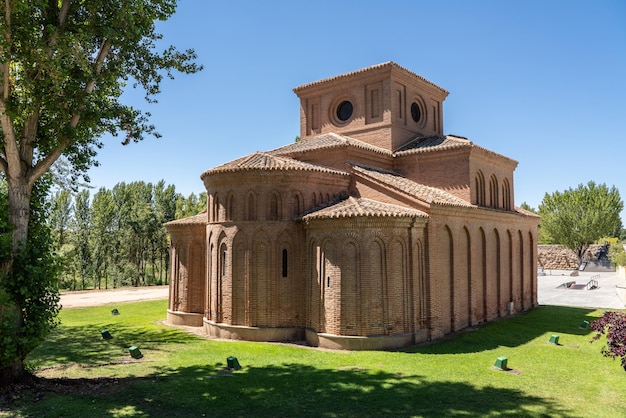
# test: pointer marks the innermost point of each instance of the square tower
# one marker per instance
(384, 105)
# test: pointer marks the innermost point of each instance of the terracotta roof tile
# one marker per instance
(265, 161)
(385, 65)
(436, 143)
(422, 144)
(424, 193)
(198, 219)
(359, 207)
(324, 141)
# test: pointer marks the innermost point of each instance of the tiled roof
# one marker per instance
(526, 212)
(324, 141)
(422, 144)
(198, 219)
(424, 193)
(265, 161)
(385, 65)
(436, 143)
(359, 207)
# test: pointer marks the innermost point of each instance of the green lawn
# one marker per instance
(183, 375)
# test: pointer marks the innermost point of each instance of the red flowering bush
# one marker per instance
(613, 325)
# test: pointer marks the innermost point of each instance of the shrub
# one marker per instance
(613, 325)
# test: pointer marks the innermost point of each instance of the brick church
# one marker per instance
(374, 230)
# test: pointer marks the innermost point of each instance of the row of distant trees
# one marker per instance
(116, 237)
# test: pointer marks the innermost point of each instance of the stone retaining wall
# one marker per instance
(556, 257)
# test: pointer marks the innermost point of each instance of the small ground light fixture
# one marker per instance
(106, 335)
(501, 363)
(115, 312)
(233, 363)
(134, 352)
(554, 339)
(584, 325)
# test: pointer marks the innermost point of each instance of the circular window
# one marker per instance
(344, 110)
(416, 113)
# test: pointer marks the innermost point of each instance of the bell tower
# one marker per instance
(384, 105)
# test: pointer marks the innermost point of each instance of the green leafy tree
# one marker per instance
(578, 217)
(63, 67)
(101, 238)
(527, 207)
(60, 216)
(191, 205)
(82, 226)
(165, 207)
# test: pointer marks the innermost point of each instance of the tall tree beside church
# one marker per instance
(576, 218)
(63, 67)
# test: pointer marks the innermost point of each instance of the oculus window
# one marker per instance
(344, 110)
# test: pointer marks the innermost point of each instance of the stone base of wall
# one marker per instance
(239, 332)
(386, 342)
(184, 318)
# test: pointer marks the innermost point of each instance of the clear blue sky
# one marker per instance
(542, 82)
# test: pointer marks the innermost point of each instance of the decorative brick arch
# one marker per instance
(493, 191)
(274, 206)
(522, 272)
(230, 207)
(298, 204)
(260, 280)
(251, 206)
(468, 274)
(398, 287)
(350, 288)
(497, 252)
(449, 275)
(240, 280)
(479, 182)
(483, 262)
(506, 194)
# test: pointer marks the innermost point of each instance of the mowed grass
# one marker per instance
(184, 375)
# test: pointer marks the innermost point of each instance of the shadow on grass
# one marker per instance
(514, 331)
(85, 344)
(281, 390)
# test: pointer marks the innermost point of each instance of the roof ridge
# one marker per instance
(374, 67)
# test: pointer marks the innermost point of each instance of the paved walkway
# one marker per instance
(103, 297)
(605, 296)
(548, 292)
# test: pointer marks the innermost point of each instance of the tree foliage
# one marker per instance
(613, 325)
(63, 67)
(118, 239)
(578, 217)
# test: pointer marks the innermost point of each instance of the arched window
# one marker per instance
(223, 261)
(285, 266)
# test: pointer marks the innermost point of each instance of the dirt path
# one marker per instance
(103, 297)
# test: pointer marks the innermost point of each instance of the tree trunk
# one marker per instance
(19, 209)
(12, 373)
(19, 194)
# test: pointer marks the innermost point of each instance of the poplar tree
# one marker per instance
(63, 67)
